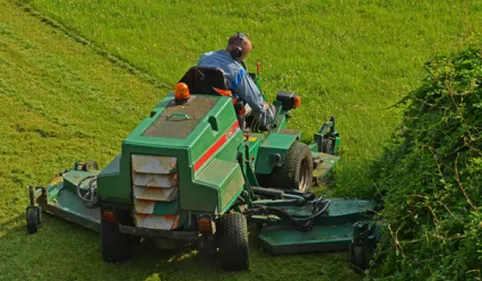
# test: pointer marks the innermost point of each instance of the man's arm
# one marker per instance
(247, 90)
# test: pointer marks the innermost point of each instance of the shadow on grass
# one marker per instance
(64, 251)
(12, 222)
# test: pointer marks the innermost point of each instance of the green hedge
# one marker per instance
(430, 176)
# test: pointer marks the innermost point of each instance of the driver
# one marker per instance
(231, 61)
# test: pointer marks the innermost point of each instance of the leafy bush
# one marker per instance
(430, 176)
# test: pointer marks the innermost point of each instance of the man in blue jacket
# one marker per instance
(230, 60)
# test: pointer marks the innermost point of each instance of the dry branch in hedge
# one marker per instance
(431, 176)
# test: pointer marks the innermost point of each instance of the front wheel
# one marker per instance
(115, 245)
(233, 242)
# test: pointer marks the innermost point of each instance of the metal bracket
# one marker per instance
(182, 115)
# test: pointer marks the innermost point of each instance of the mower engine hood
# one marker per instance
(198, 139)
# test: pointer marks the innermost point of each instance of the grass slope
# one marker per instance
(60, 101)
(352, 59)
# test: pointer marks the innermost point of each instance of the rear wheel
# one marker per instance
(233, 242)
(115, 245)
(296, 171)
(33, 221)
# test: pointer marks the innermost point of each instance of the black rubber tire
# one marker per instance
(358, 257)
(288, 175)
(115, 245)
(233, 242)
(32, 221)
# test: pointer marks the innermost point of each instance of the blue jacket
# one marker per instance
(240, 83)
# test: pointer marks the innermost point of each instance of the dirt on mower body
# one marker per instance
(197, 170)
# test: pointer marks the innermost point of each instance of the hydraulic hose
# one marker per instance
(301, 224)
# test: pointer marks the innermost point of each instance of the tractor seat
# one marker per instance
(212, 81)
(206, 81)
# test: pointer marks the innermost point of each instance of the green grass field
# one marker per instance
(73, 88)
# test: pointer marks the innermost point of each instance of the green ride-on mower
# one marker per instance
(198, 169)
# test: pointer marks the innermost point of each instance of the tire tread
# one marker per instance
(234, 247)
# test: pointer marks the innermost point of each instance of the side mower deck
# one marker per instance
(324, 164)
(330, 232)
(61, 199)
(291, 223)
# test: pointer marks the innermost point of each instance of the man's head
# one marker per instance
(239, 46)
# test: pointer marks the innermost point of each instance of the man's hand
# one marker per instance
(272, 110)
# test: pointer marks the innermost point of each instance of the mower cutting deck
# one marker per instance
(331, 231)
(198, 169)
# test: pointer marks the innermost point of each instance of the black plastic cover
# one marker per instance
(287, 99)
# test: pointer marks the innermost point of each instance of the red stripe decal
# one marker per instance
(233, 128)
(215, 146)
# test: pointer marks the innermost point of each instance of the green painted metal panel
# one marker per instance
(54, 190)
(115, 183)
(254, 142)
(199, 197)
(232, 187)
(225, 176)
(342, 210)
(280, 122)
(229, 150)
(73, 178)
(278, 141)
(223, 111)
(339, 212)
(337, 144)
(112, 169)
(179, 120)
(282, 240)
(295, 132)
(224, 115)
(328, 163)
(162, 104)
(166, 208)
(63, 201)
(314, 147)
(274, 144)
(109, 186)
(69, 201)
(331, 231)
